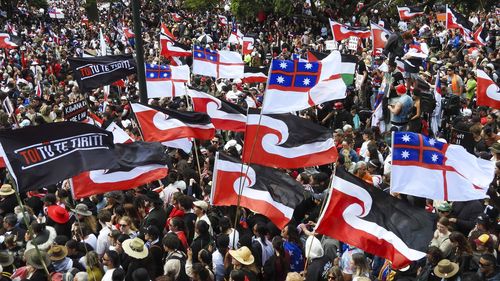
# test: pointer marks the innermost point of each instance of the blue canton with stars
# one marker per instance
(413, 147)
(158, 72)
(293, 75)
(200, 53)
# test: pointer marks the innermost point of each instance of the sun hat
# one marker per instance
(82, 209)
(35, 260)
(135, 248)
(58, 214)
(201, 204)
(57, 252)
(6, 189)
(446, 269)
(495, 148)
(243, 255)
(444, 207)
(6, 258)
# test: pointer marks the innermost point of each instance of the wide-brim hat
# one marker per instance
(57, 252)
(35, 260)
(6, 189)
(243, 255)
(58, 214)
(135, 248)
(6, 258)
(446, 269)
(41, 237)
(495, 148)
(82, 209)
(201, 204)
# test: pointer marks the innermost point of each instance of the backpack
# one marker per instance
(182, 273)
(451, 105)
(427, 103)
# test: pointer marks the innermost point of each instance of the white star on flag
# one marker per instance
(405, 154)
(432, 142)
(283, 64)
(306, 82)
(199, 55)
(280, 79)
(308, 65)
(151, 75)
(434, 157)
(406, 138)
(210, 58)
(165, 75)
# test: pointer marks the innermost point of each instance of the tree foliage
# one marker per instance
(201, 5)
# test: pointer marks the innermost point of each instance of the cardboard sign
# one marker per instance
(76, 111)
(353, 43)
(331, 45)
(462, 138)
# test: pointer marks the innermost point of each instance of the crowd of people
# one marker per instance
(168, 230)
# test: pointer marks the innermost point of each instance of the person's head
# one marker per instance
(443, 224)
(111, 259)
(359, 263)
(92, 260)
(104, 216)
(140, 274)
(290, 233)
(185, 202)
(335, 274)
(9, 221)
(460, 241)
(407, 37)
(126, 224)
(434, 255)
(205, 257)
(176, 224)
(171, 242)
(200, 207)
(118, 275)
(202, 228)
(119, 242)
(487, 264)
(237, 275)
(260, 230)
(200, 273)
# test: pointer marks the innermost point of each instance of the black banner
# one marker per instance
(76, 112)
(91, 73)
(42, 155)
(462, 138)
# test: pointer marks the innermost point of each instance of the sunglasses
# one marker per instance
(331, 277)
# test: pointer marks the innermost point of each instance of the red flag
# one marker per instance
(287, 141)
(170, 47)
(247, 45)
(342, 31)
(488, 93)
(224, 115)
(222, 20)
(267, 191)
(379, 38)
(407, 13)
(5, 42)
(160, 124)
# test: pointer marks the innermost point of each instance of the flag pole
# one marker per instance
(28, 225)
(190, 104)
(139, 55)
(329, 193)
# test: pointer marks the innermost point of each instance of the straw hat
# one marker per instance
(57, 252)
(135, 248)
(445, 269)
(243, 255)
(35, 260)
(6, 189)
(82, 209)
(58, 214)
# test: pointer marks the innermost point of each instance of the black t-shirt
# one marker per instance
(361, 67)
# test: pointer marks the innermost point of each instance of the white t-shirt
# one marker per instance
(108, 275)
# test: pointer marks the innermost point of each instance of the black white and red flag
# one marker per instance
(456, 20)
(342, 31)
(139, 163)
(264, 190)
(46, 154)
(161, 124)
(6, 42)
(169, 45)
(224, 115)
(363, 216)
(255, 74)
(407, 13)
(286, 141)
(481, 35)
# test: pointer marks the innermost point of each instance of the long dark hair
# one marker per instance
(463, 246)
(280, 250)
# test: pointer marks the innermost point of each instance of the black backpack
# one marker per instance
(427, 103)
(451, 105)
